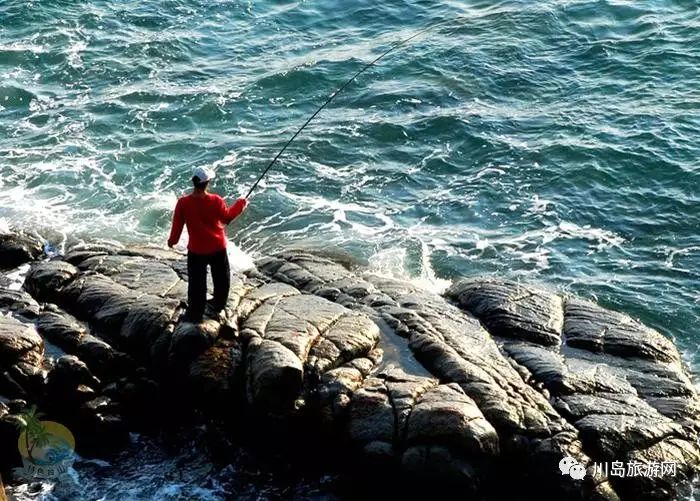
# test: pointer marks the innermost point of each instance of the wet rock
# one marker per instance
(337, 386)
(125, 317)
(97, 298)
(509, 309)
(275, 375)
(70, 335)
(455, 347)
(190, 340)
(293, 339)
(216, 374)
(138, 273)
(101, 404)
(19, 343)
(103, 360)
(29, 377)
(70, 384)
(428, 428)
(147, 320)
(138, 399)
(61, 329)
(18, 248)
(590, 327)
(449, 343)
(9, 425)
(618, 382)
(17, 406)
(77, 253)
(445, 415)
(46, 279)
(100, 429)
(18, 303)
(498, 376)
(71, 371)
(11, 388)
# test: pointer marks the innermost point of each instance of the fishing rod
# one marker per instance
(338, 91)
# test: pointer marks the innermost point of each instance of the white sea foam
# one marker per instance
(489, 171)
(74, 53)
(23, 46)
(393, 262)
(239, 259)
(339, 211)
(540, 205)
(673, 254)
(16, 277)
(228, 160)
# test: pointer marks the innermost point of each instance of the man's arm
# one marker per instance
(228, 214)
(178, 223)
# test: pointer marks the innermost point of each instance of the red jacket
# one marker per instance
(205, 218)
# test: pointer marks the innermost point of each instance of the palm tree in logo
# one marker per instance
(35, 433)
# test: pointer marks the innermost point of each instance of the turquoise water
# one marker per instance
(552, 141)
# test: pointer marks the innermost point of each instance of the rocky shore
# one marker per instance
(482, 390)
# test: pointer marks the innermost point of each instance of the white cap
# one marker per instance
(204, 174)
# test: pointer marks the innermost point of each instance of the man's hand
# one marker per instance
(170, 244)
(236, 209)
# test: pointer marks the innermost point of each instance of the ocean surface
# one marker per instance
(555, 142)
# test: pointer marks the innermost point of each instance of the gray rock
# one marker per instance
(61, 329)
(337, 386)
(103, 360)
(190, 340)
(618, 382)
(29, 377)
(88, 294)
(70, 371)
(148, 318)
(18, 248)
(19, 343)
(148, 276)
(456, 348)
(275, 375)
(510, 309)
(18, 303)
(429, 429)
(590, 327)
(77, 253)
(46, 279)
(69, 385)
(445, 415)
(294, 339)
(498, 376)
(216, 373)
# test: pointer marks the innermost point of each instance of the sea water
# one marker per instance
(554, 142)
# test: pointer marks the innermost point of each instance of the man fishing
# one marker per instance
(205, 215)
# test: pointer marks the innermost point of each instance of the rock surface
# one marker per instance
(17, 248)
(19, 343)
(494, 376)
(621, 384)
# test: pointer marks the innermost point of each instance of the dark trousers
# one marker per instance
(197, 282)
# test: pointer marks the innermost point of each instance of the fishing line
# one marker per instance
(338, 91)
